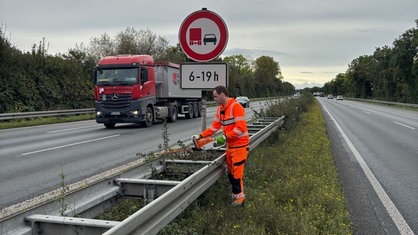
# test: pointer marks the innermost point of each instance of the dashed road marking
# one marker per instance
(69, 145)
(404, 125)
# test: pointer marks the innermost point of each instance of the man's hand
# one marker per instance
(196, 136)
(220, 140)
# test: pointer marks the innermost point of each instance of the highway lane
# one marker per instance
(32, 158)
(376, 151)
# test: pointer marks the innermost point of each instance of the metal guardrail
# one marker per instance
(157, 214)
(98, 193)
(52, 113)
(385, 102)
(12, 116)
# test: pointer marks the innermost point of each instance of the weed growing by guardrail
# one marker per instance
(63, 192)
(177, 172)
(180, 152)
(124, 209)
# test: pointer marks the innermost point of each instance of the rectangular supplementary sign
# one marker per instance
(203, 75)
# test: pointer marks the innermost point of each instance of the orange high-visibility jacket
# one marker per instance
(232, 119)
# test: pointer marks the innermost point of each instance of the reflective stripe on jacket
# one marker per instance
(232, 119)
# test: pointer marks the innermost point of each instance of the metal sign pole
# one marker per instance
(203, 113)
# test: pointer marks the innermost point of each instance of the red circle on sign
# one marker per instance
(223, 31)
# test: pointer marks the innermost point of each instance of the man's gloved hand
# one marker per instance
(196, 136)
(220, 140)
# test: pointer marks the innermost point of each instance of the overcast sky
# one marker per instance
(313, 40)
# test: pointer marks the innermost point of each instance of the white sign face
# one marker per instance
(203, 36)
(203, 75)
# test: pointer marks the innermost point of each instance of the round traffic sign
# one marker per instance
(203, 35)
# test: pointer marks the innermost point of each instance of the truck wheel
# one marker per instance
(149, 117)
(190, 115)
(109, 125)
(173, 114)
(199, 105)
(196, 110)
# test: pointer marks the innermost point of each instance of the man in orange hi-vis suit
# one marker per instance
(231, 116)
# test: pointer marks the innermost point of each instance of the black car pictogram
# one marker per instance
(209, 38)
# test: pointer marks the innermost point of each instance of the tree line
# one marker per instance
(390, 74)
(38, 81)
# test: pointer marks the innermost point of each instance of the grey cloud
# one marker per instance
(254, 53)
(297, 33)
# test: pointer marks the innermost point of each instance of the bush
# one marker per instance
(292, 108)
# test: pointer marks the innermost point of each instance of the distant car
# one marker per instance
(244, 101)
(330, 96)
(340, 97)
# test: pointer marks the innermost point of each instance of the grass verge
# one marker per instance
(44, 121)
(291, 184)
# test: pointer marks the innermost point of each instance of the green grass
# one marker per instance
(291, 185)
(44, 120)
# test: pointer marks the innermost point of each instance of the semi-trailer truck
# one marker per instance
(137, 89)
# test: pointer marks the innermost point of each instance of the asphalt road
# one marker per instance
(376, 153)
(33, 158)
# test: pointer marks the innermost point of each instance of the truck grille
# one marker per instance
(123, 101)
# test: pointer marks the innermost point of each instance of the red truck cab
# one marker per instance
(122, 85)
(136, 89)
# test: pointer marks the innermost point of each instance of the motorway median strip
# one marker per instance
(292, 187)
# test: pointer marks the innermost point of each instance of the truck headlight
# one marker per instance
(135, 112)
(98, 113)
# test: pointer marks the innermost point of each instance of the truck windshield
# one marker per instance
(117, 76)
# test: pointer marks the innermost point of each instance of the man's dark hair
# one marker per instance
(221, 89)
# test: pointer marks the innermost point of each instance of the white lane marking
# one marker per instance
(69, 145)
(390, 207)
(367, 112)
(70, 129)
(404, 125)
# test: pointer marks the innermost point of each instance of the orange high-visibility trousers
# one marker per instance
(235, 161)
